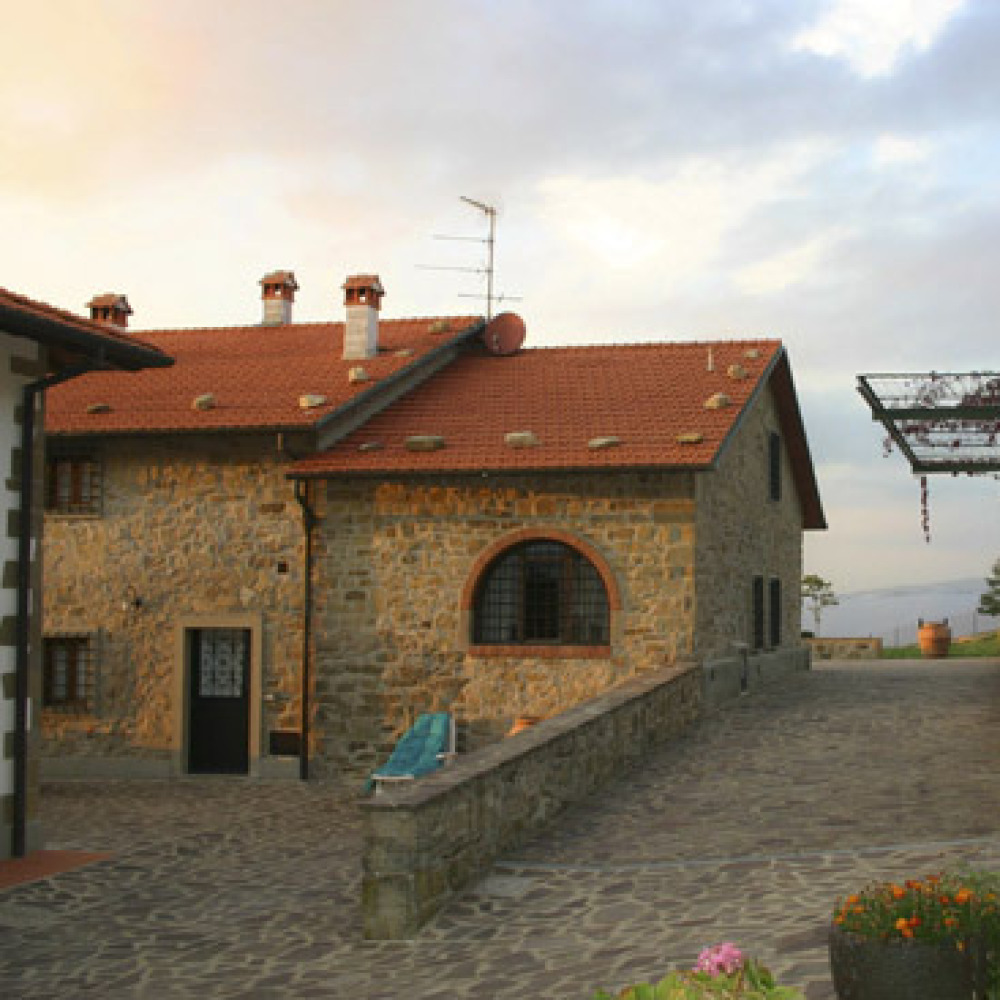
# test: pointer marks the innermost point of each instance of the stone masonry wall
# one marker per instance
(196, 527)
(424, 842)
(741, 533)
(392, 640)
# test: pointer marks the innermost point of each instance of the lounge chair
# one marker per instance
(423, 748)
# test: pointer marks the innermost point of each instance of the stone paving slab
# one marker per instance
(746, 829)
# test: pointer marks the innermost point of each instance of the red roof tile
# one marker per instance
(255, 373)
(645, 395)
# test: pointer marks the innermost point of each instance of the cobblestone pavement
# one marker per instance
(746, 829)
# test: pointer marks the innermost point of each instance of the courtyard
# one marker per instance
(746, 829)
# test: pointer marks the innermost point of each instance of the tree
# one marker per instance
(989, 602)
(818, 594)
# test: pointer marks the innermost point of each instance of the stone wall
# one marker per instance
(199, 529)
(741, 533)
(394, 560)
(845, 649)
(426, 841)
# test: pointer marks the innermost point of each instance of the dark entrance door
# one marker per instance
(219, 714)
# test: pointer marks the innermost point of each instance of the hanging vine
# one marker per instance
(925, 510)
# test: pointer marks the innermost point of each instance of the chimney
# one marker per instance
(110, 308)
(278, 294)
(362, 297)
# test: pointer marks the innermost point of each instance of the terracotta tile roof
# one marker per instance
(255, 374)
(32, 308)
(651, 397)
(645, 395)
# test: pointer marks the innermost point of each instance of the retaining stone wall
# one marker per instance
(845, 649)
(426, 841)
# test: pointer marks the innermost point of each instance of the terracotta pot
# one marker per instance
(935, 639)
(871, 969)
(523, 722)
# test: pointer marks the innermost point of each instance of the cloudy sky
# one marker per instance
(824, 171)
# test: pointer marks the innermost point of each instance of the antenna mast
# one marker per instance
(491, 214)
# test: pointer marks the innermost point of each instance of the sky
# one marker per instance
(822, 171)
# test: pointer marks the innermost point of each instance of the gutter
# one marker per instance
(309, 521)
(29, 396)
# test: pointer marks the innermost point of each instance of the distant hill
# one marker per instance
(893, 612)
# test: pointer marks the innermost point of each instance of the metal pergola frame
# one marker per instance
(942, 422)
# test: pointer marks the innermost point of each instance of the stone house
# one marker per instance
(526, 529)
(39, 347)
(328, 528)
(174, 544)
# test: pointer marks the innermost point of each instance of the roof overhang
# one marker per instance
(74, 343)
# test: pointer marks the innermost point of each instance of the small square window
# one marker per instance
(72, 484)
(68, 672)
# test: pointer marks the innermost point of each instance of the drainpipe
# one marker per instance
(29, 395)
(308, 523)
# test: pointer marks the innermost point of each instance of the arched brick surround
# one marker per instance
(501, 545)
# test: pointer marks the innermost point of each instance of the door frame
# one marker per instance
(182, 685)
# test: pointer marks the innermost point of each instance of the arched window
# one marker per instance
(541, 592)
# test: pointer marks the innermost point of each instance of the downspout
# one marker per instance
(308, 523)
(29, 395)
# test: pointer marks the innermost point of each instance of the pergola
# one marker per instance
(941, 422)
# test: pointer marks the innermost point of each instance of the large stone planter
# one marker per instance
(870, 969)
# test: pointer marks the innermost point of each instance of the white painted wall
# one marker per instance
(10, 437)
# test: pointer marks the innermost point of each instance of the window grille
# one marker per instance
(72, 484)
(542, 592)
(68, 671)
(774, 612)
(758, 613)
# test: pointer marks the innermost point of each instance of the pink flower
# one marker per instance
(725, 957)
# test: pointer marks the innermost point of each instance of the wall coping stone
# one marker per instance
(468, 767)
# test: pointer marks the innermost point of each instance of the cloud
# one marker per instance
(668, 224)
(891, 150)
(873, 36)
(791, 267)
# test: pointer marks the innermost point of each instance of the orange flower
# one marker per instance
(944, 900)
(912, 884)
(963, 896)
(898, 892)
(853, 899)
(902, 924)
(914, 921)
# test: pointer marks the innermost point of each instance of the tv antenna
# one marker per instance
(490, 240)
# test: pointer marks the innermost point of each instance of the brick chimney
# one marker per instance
(362, 297)
(110, 308)
(278, 294)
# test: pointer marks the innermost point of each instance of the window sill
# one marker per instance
(542, 652)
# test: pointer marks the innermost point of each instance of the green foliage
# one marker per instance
(959, 907)
(989, 602)
(818, 594)
(987, 645)
(753, 982)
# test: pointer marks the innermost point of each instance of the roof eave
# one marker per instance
(104, 351)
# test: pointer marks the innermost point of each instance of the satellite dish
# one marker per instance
(504, 334)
